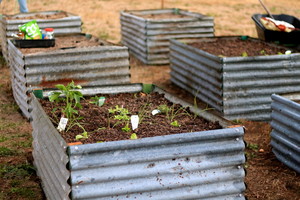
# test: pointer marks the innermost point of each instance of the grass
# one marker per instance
(4, 151)
(18, 176)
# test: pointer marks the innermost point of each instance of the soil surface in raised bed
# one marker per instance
(163, 16)
(57, 15)
(102, 125)
(68, 42)
(235, 47)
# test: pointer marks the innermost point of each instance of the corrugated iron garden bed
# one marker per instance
(86, 60)
(192, 164)
(239, 86)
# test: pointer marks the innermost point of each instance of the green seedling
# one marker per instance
(263, 52)
(143, 111)
(171, 113)
(195, 106)
(121, 114)
(133, 136)
(175, 123)
(83, 135)
(126, 128)
(99, 101)
(244, 54)
(72, 98)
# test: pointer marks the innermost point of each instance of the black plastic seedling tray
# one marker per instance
(277, 36)
(34, 43)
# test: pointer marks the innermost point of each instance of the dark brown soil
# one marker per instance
(234, 47)
(68, 42)
(57, 15)
(267, 178)
(162, 16)
(102, 126)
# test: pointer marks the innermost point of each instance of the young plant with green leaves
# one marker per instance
(99, 101)
(70, 96)
(121, 114)
(172, 112)
(143, 111)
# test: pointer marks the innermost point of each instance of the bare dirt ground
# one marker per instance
(266, 179)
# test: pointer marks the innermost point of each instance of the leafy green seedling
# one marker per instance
(244, 54)
(171, 112)
(99, 101)
(133, 136)
(121, 114)
(83, 135)
(263, 52)
(175, 123)
(126, 128)
(72, 98)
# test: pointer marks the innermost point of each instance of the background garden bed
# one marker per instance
(147, 32)
(86, 60)
(239, 87)
(64, 23)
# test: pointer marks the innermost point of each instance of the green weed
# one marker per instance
(253, 147)
(3, 138)
(20, 171)
(4, 151)
(23, 191)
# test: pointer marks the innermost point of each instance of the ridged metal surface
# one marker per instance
(186, 166)
(197, 165)
(87, 66)
(197, 72)
(62, 26)
(50, 155)
(148, 39)
(238, 87)
(285, 135)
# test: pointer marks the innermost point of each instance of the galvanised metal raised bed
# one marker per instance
(105, 64)
(285, 135)
(147, 32)
(237, 87)
(195, 165)
(66, 24)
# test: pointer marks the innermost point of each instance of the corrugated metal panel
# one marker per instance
(197, 72)
(87, 66)
(285, 135)
(50, 157)
(238, 87)
(248, 84)
(199, 165)
(109, 89)
(153, 35)
(183, 166)
(62, 26)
